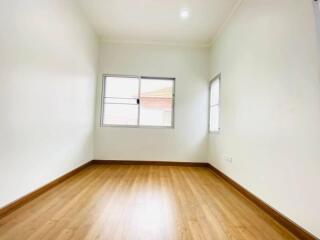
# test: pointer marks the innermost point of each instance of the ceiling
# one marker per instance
(157, 21)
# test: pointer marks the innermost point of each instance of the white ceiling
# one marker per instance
(157, 21)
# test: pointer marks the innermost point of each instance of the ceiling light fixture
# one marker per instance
(184, 13)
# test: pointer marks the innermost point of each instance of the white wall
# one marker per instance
(268, 57)
(188, 141)
(47, 93)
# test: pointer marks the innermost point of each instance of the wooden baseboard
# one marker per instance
(157, 163)
(4, 211)
(294, 228)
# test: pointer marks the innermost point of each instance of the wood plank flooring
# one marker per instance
(141, 202)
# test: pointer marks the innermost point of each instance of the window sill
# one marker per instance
(136, 127)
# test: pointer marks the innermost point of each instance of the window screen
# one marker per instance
(138, 101)
(214, 111)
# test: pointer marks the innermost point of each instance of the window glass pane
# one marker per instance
(120, 114)
(122, 87)
(156, 102)
(156, 88)
(156, 112)
(214, 118)
(215, 92)
(121, 100)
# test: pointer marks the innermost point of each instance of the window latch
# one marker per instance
(138, 101)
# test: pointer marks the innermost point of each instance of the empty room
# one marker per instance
(159, 119)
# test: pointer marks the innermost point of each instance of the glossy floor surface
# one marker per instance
(121, 202)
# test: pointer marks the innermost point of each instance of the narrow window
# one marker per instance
(317, 14)
(214, 111)
(138, 101)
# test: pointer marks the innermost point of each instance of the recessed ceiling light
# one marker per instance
(184, 13)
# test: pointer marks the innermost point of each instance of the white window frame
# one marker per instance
(316, 4)
(105, 76)
(216, 78)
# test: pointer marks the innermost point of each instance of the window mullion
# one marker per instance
(139, 104)
(215, 105)
(102, 107)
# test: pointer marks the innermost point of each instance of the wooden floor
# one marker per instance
(141, 203)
